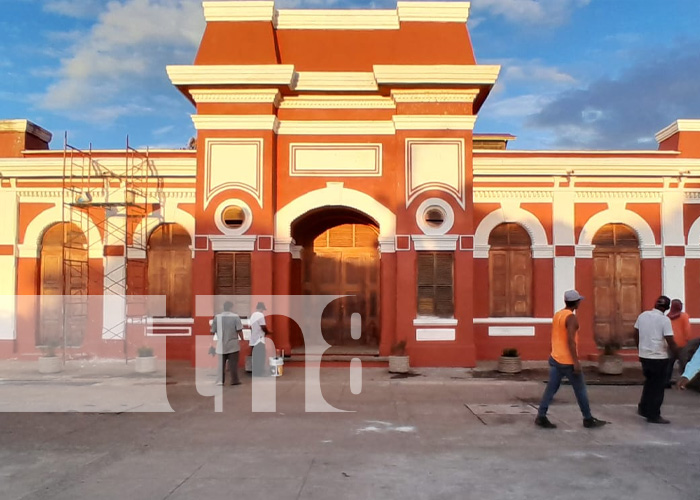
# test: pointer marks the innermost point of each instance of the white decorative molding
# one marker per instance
(584, 251)
(352, 19)
(585, 163)
(335, 81)
(435, 164)
(37, 166)
(511, 331)
(435, 321)
(325, 101)
(496, 194)
(336, 127)
(651, 251)
(238, 96)
(435, 334)
(239, 10)
(433, 95)
(515, 214)
(25, 126)
(334, 195)
(335, 160)
(387, 244)
(619, 216)
(222, 74)
(168, 213)
(233, 164)
(235, 122)
(218, 217)
(434, 122)
(512, 321)
(232, 243)
(440, 12)
(445, 242)
(444, 207)
(437, 74)
(678, 126)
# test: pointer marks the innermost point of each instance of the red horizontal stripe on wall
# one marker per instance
(674, 251)
(7, 250)
(114, 251)
(564, 251)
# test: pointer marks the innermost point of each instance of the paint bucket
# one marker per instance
(276, 366)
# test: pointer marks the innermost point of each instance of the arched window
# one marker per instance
(510, 271)
(170, 269)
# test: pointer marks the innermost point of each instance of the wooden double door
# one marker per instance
(63, 287)
(344, 260)
(616, 285)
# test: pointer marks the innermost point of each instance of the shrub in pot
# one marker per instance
(610, 362)
(510, 362)
(145, 361)
(398, 360)
(49, 362)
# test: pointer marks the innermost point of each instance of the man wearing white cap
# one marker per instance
(564, 362)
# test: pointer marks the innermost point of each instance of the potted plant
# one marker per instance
(610, 362)
(146, 361)
(49, 362)
(510, 362)
(398, 360)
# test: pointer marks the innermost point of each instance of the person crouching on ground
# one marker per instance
(691, 374)
(564, 362)
(654, 335)
(228, 330)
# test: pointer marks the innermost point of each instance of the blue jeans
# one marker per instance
(557, 372)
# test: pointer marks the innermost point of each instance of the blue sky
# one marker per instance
(577, 74)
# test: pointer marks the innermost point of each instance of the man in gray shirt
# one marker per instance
(227, 329)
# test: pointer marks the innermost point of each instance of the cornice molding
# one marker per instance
(678, 126)
(242, 96)
(424, 242)
(337, 102)
(239, 11)
(246, 74)
(434, 122)
(335, 81)
(235, 122)
(350, 19)
(433, 95)
(440, 12)
(25, 126)
(438, 74)
(496, 194)
(38, 167)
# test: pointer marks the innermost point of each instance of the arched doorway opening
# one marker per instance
(617, 292)
(63, 286)
(340, 256)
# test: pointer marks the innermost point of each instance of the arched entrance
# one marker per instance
(341, 257)
(63, 282)
(170, 269)
(616, 284)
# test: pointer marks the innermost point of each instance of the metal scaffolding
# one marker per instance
(116, 202)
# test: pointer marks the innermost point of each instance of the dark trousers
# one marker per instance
(557, 372)
(672, 358)
(259, 360)
(232, 359)
(655, 373)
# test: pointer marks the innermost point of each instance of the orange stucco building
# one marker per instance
(335, 155)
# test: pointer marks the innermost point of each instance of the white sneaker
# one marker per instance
(219, 383)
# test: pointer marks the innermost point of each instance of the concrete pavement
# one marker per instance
(442, 434)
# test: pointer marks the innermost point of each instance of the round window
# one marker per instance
(233, 217)
(434, 216)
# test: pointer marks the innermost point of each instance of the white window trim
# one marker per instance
(218, 214)
(512, 321)
(434, 321)
(442, 205)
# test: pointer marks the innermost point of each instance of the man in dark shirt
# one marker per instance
(228, 330)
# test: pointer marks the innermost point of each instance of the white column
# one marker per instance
(114, 299)
(563, 234)
(8, 264)
(672, 234)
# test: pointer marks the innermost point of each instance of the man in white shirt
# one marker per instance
(654, 335)
(258, 330)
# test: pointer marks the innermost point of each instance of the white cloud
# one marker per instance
(75, 8)
(537, 72)
(533, 12)
(516, 107)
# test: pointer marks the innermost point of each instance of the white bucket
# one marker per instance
(277, 366)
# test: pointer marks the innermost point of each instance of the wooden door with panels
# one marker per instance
(63, 287)
(510, 272)
(170, 269)
(617, 289)
(344, 260)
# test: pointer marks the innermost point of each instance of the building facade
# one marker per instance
(335, 155)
